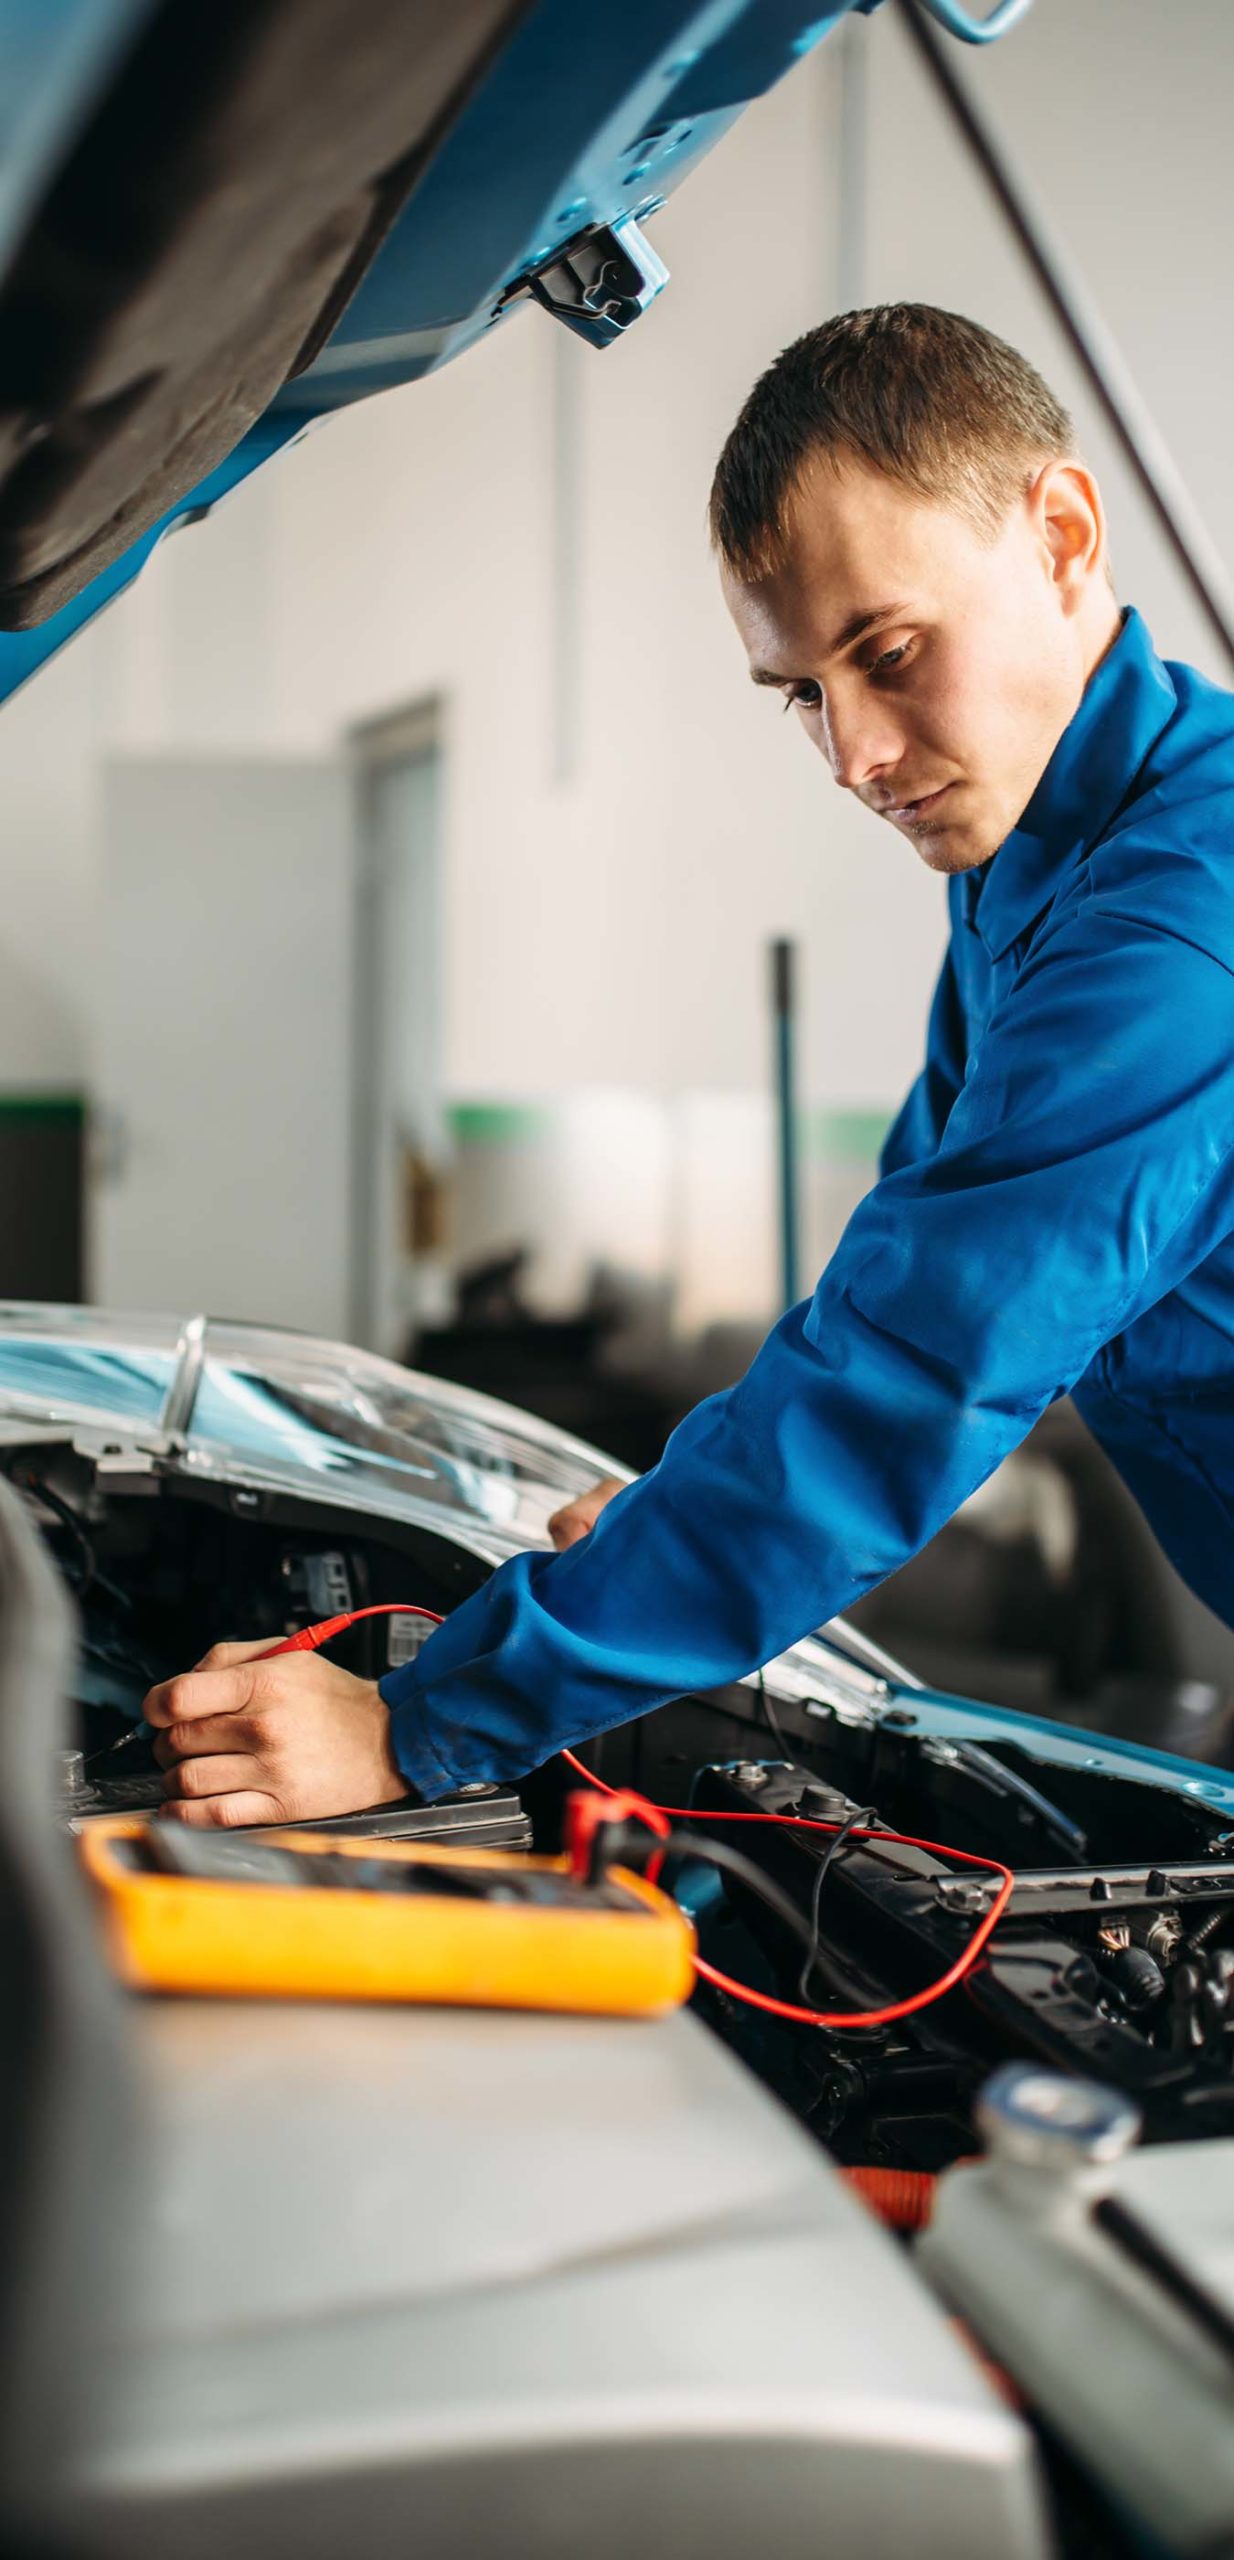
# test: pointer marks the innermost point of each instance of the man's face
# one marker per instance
(934, 667)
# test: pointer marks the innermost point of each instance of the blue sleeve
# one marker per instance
(917, 1129)
(1084, 1169)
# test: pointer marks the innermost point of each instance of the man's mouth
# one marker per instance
(910, 813)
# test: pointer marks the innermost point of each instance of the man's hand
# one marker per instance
(575, 1518)
(244, 1740)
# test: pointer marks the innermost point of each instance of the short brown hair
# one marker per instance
(932, 399)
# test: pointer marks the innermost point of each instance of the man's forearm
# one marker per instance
(774, 1507)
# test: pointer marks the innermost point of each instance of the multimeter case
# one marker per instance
(473, 1928)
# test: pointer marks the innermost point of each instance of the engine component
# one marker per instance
(1132, 1972)
(319, 1584)
(157, 1579)
(1101, 2279)
(1092, 1968)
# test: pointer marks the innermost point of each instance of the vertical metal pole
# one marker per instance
(783, 1000)
(365, 1015)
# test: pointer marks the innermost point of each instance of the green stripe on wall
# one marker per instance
(848, 1137)
(845, 1137)
(496, 1124)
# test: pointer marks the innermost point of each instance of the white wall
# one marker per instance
(606, 929)
(224, 1075)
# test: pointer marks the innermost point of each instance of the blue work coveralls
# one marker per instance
(1055, 1214)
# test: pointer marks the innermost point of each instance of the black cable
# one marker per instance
(636, 1843)
(754, 1877)
(731, 1861)
(91, 1578)
(864, 1813)
(64, 1512)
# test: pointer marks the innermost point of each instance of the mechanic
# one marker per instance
(915, 558)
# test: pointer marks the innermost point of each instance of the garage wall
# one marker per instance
(627, 821)
(412, 549)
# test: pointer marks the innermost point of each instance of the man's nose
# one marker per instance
(859, 741)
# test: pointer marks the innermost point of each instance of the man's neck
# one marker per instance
(1098, 635)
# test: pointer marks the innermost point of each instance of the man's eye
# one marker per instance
(803, 697)
(890, 658)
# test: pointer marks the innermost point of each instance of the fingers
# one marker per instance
(223, 1813)
(280, 1741)
(225, 1773)
(576, 1518)
(199, 1693)
(236, 1732)
(221, 1656)
(568, 1525)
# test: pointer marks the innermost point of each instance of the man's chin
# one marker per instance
(958, 838)
(954, 843)
(949, 849)
(941, 848)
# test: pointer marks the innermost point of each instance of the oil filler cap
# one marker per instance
(1044, 2120)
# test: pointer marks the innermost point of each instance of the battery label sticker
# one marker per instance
(404, 1639)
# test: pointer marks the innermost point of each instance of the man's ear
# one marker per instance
(1069, 519)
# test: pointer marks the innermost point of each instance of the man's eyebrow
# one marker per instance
(855, 628)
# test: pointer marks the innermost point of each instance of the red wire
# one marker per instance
(898, 1839)
(308, 1639)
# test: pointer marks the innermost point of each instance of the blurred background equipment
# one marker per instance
(42, 1184)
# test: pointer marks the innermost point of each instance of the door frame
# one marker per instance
(411, 730)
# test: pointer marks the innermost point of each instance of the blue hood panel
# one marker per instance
(558, 127)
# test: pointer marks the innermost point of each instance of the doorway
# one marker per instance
(399, 1275)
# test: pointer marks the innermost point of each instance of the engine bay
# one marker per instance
(160, 1569)
(1113, 1956)
(1117, 1963)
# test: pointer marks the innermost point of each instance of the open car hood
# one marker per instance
(284, 1412)
(266, 1413)
(216, 224)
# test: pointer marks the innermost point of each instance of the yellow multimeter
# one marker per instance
(273, 1915)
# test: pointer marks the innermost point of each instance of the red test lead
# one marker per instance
(310, 1639)
(841, 2018)
(658, 1817)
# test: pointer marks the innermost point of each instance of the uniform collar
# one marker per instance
(1124, 708)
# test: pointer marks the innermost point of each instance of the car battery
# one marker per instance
(476, 1817)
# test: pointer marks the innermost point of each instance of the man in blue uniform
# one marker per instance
(915, 559)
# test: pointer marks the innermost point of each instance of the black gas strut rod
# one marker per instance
(1106, 373)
